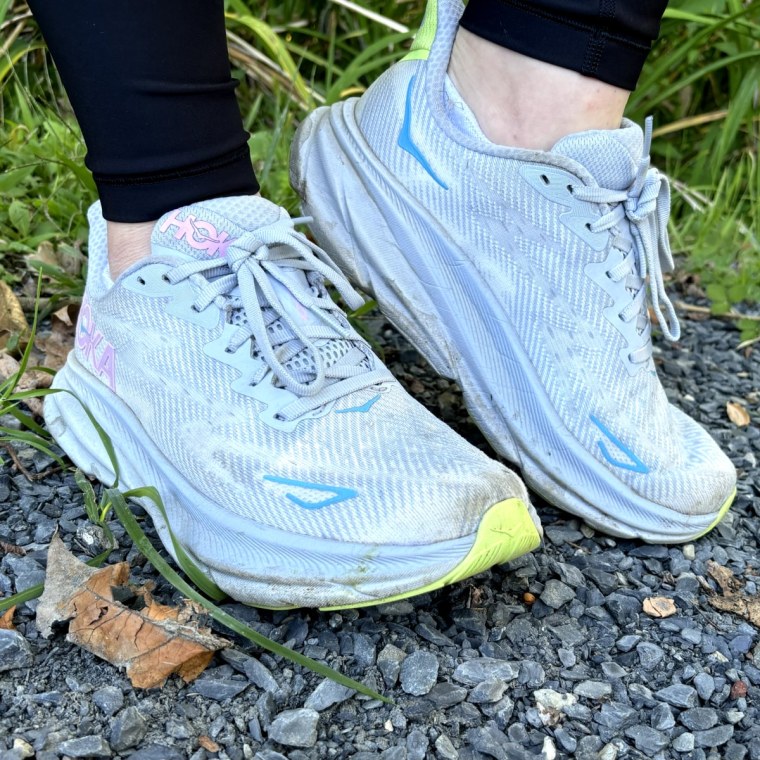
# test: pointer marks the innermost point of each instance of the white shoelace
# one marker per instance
(644, 208)
(252, 263)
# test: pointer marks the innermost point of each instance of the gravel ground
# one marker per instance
(550, 656)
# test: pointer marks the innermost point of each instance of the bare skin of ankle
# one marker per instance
(525, 103)
(127, 243)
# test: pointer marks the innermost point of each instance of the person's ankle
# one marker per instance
(127, 244)
(526, 103)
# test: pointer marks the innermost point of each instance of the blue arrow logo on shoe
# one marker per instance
(634, 464)
(338, 494)
(405, 141)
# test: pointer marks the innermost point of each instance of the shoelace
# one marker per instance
(644, 208)
(252, 263)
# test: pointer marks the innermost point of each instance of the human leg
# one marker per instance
(525, 275)
(293, 468)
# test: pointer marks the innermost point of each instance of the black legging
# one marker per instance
(150, 83)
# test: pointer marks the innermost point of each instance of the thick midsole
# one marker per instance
(332, 164)
(224, 544)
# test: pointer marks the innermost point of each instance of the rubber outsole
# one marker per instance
(330, 138)
(255, 563)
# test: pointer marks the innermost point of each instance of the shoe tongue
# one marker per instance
(206, 229)
(611, 156)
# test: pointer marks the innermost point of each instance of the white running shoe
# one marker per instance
(294, 469)
(524, 276)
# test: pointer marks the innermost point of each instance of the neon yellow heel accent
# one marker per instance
(721, 514)
(423, 40)
(505, 533)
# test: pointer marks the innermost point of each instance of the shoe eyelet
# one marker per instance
(140, 280)
(588, 226)
(279, 417)
(195, 309)
(545, 179)
(165, 278)
(228, 350)
(570, 189)
(608, 275)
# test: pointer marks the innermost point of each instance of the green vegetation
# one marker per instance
(702, 83)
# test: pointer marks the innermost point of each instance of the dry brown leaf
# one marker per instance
(151, 643)
(737, 414)
(12, 319)
(659, 606)
(208, 743)
(60, 340)
(6, 619)
(30, 380)
(733, 600)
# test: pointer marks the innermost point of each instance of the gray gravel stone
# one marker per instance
(416, 745)
(489, 741)
(616, 716)
(662, 718)
(445, 749)
(447, 694)
(699, 718)
(650, 655)
(647, 740)
(260, 675)
(389, 663)
(556, 594)
(565, 739)
(488, 691)
(108, 700)
(713, 737)
(678, 695)
(613, 670)
(15, 651)
(85, 746)
(593, 689)
(128, 729)
(327, 694)
(482, 669)
(684, 743)
(295, 728)
(705, 685)
(419, 672)
(218, 688)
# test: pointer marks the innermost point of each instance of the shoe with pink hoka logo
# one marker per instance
(294, 469)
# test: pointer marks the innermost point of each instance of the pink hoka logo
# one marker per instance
(96, 350)
(198, 234)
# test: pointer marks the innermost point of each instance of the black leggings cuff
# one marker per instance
(142, 198)
(589, 49)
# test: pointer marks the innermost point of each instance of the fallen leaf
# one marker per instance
(737, 414)
(733, 600)
(208, 743)
(12, 319)
(57, 343)
(659, 607)
(151, 643)
(6, 619)
(30, 380)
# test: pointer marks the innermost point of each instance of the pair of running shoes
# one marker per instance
(294, 469)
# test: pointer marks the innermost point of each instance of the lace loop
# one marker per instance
(645, 208)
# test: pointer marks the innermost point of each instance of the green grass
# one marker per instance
(701, 84)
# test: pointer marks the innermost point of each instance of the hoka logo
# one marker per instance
(198, 234)
(96, 350)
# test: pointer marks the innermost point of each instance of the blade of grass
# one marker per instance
(144, 545)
